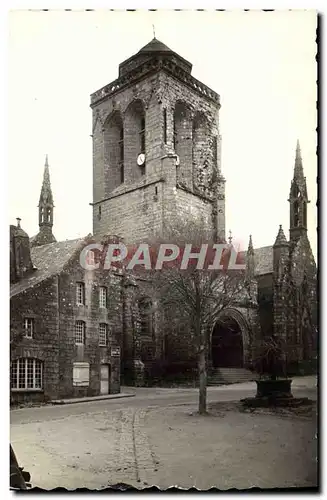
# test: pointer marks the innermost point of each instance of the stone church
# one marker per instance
(156, 165)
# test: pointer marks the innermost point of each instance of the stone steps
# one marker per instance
(222, 376)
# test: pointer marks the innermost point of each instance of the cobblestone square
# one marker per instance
(157, 438)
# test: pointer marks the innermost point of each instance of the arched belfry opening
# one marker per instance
(114, 169)
(201, 157)
(227, 346)
(183, 142)
(135, 137)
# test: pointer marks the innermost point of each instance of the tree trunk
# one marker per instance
(202, 381)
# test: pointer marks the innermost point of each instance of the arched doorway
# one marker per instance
(227, 344)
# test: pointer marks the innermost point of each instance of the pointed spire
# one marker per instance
(46, 192)
(298, 166)
(298, 184)
(298, 198)
(298, 148)
(46, 205)
(250, 247)
(250, 263)
(280, 239)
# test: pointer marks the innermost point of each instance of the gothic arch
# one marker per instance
(295, 191)
(134, 104)
(240, 319)
(135, 137)
(230, 339)
(112, 118)
(113, 136)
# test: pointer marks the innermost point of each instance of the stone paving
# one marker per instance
(167, 445)
(231, 450)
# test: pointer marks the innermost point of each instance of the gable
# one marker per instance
(263, 260)
(49, 260)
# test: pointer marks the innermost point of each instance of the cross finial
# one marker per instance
(230, 238)
(154, 31)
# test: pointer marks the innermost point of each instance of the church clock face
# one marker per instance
(141, 159)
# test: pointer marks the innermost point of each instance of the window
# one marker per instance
(28, 327)
(296, 214)
(90, 258)
(175, 135)
(142, 144)
(26, 373)
(113, 151)
(215, 151)
(103, 297)
(165, 125)
(103, 334)
(142, 135)
(99, 212)
(295, 191)
(80, 293)
(49, 214)
(81, 374)
(145, 310)
(121, 155)
(79, 332)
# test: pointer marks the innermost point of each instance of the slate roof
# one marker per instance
(49, 260)
(155, 46)
(263, 260)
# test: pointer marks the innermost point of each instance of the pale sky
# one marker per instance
(261, 63)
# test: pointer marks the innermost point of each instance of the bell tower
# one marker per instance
(298, 199)
(156, 150)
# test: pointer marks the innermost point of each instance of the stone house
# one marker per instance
(65, 320)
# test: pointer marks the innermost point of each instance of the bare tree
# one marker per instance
(200, 294)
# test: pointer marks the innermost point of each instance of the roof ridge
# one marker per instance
(50, 260)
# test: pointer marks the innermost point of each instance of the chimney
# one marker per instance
(20, 252)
